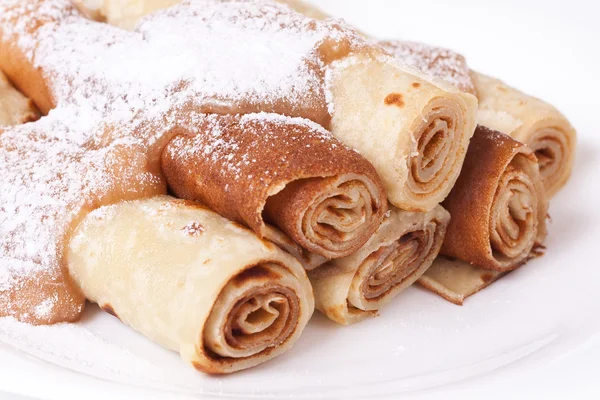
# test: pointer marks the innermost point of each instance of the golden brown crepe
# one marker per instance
(498, 205)
(192, 281)
(14, 107)
(353, 288)
(531, 121)
(328, 199)
(498, 209)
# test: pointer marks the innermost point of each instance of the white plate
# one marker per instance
(536, 331)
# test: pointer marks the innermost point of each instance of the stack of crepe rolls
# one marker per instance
(498, 209)
(186, 278)
(192, 281)
(350, 289)
(413, 128)
(417, 169)
(502, 108)
(14, 107)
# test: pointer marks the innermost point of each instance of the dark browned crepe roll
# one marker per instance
(288, 172)
(498, 205)
(498, 209)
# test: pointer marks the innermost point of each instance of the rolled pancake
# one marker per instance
(14, 107)
(499, 212)
(353, 288)
(498, 205)
(414, 129)
(531, 121)
(329, 200)
(192, 281)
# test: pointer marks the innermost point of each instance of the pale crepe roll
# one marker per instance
(414, 129)
(353, 288)
(192, 281)
(455, 280)
(531, 121)
(14, 107)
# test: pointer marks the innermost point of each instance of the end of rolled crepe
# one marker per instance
(331, 217)
(498, 204)
(356, 287)
(220, 296)
(287, 172)
(413, 128)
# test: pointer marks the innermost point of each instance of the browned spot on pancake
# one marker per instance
(416, 85)
(255, 273)
(193, 229)
(109, 309)
(207, 261)
(487, 278)
(395, 99)
(501, 89)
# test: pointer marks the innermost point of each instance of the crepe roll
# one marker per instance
(353, 288)
(192, 281)
(413, 128)
(288, 172)
(498, 205)
(531, 121)
(14, 107)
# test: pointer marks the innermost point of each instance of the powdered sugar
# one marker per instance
(433, 61)
(118, 93)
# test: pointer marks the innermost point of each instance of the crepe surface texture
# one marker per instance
(192, 281)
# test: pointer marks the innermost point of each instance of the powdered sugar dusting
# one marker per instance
(433, 61)
(118, 93)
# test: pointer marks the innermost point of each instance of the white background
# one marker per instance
(535, 334)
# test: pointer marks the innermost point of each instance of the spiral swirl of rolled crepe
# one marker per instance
(531, 121)
(414, 129)
(328, 200)
(192, 281)
(498, 205)
(353, 288)
(14, 107)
